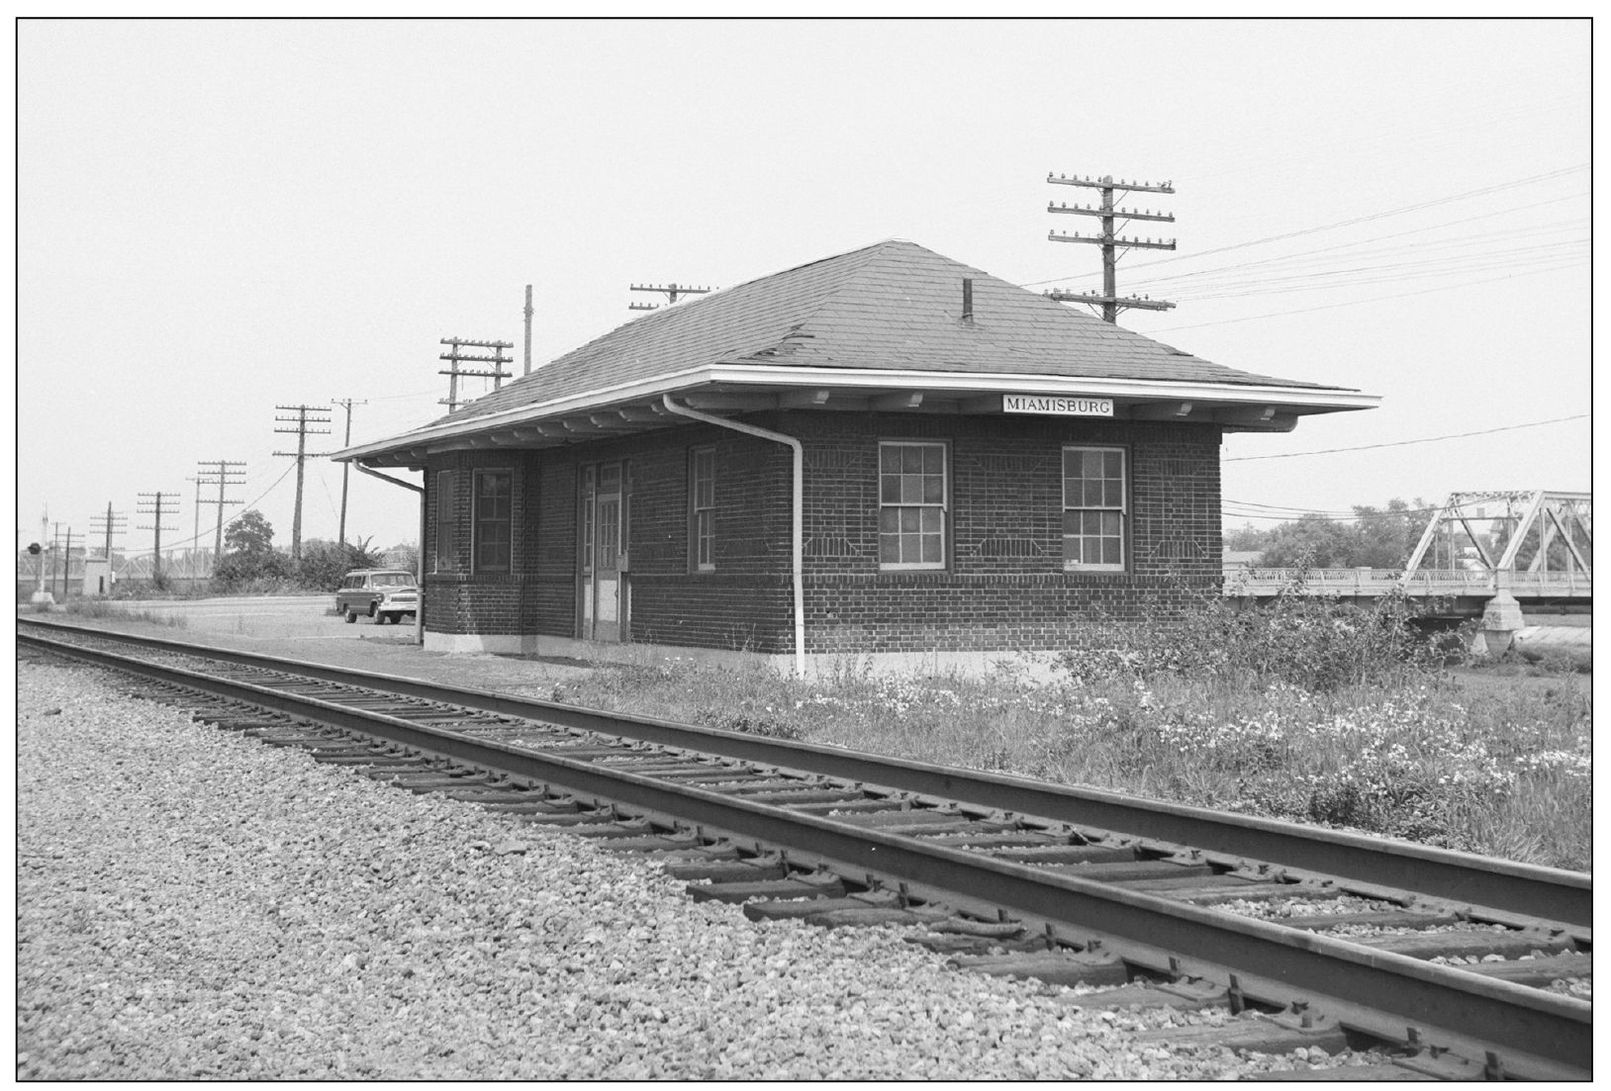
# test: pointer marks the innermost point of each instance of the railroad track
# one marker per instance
(1312, 937)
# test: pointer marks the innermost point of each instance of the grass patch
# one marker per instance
(102, 608)
(1308, 711)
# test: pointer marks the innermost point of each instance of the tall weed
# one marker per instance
(1313, 712)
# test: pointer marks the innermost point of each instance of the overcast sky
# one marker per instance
(216, 218)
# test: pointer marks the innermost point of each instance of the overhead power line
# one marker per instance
(1462, 253)
(1517, 260)
(1356, 302)
(1409, 442)
(1355, 220)
(1476, 241)
(1294, 511)
(252, 504)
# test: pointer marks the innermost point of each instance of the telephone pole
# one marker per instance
(528, 313)
(157, 506)
(306, 415)
(111, 523)
(195, 528)
(670, 291)
(1110, 242)
(455, 357)
(346, 468)
(222, 473)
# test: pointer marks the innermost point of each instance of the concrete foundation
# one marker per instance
(1039, 666)
(1501, 621)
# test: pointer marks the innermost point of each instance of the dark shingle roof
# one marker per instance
(894, 305)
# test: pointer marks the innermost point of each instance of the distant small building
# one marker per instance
(98, 577)
(883, 453)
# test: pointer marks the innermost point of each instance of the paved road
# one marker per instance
(299, 617)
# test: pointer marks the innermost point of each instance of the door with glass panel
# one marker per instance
(601, 553)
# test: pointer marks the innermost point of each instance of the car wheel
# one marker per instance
(351, 615)
(371, 609)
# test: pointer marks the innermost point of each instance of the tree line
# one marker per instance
(1375, 538)
(251, 563)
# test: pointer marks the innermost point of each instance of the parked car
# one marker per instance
(385, 594)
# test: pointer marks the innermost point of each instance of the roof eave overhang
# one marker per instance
(726, 387)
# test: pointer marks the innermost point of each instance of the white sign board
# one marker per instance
(1056, 406)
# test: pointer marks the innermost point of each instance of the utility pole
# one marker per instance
(195, 528)
(528, 329)
(222, 473)
(346, 468)
(670, 291)
(156, 505)
(1110, 242)
(111, 524)
(455, 357)
(306, 415)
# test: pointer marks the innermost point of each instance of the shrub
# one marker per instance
(323, 563)
(1313, 642)
(257, 572)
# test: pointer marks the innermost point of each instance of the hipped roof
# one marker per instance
(888, 316)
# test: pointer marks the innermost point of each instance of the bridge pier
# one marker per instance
(1501, 619)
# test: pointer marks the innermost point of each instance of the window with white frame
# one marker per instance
(444, 557)
(911, 505)
(494, 539)
(702, 508)
(1094, 509)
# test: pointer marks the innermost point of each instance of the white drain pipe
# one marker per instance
(798, 546)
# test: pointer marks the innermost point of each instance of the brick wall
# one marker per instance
(1004, 586)
(461, 599)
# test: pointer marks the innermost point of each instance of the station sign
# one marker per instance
(1057, 406)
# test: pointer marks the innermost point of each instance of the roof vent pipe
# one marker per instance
(967, 299)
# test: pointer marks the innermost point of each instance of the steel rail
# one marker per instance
(1552, 894)
(1538, 1032)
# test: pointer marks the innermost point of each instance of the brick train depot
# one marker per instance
(881, 453)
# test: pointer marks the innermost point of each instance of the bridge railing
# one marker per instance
(1371, 582)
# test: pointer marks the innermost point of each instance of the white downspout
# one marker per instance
(419, 554)
(797, 549)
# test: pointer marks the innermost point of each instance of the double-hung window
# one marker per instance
(1094, 509)
(702, 508)
(911, 505)
(445, 515)
(493, 528)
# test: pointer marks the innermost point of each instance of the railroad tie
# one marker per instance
(767, 889)
(1052, 967)
(1257, 1032)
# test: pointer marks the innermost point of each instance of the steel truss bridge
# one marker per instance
(1531, 545)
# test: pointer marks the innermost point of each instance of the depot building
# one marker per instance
(882, 454)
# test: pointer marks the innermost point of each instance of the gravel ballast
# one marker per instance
(194, 904)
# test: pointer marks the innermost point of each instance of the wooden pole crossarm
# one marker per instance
(1116, 213)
